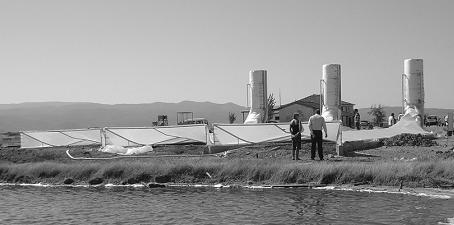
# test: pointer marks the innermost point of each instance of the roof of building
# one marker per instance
(312, 101)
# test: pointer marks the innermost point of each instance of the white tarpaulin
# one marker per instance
(408, 124)
(141, 136)
(55, 138)
(126, 151)
(233, 134)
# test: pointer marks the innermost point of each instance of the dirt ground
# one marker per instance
(16, 155)
(269, 151)
(278, 151)
(444, 150)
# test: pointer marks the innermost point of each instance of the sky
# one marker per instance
(169, 51)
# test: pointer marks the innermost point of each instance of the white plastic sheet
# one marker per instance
(126, 151)
(409, 124)
(234, 134)
(56, 138)
(140, 136)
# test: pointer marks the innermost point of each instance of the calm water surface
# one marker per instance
(61, 205)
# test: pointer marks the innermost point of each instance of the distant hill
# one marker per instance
(397, 109)
(73, 115)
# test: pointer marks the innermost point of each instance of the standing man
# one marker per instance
(296, 128)
(316, 124)
(357, 119)
(391, 120)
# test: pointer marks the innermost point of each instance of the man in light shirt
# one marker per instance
(316, 124)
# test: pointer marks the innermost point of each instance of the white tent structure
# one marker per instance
(118, 136)
(161, 135)
(238, 134)
(58, 138)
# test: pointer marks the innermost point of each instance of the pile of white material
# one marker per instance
(254, 117)
(328, 113)
(126, 151)
(410, 123)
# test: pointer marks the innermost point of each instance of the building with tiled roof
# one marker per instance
(307, 106)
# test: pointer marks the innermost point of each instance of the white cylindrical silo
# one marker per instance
(331, 92)
(258, 97)
(413, 86)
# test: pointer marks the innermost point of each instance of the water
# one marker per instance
(120, 205)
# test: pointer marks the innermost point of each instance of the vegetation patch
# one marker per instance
(240, 171)
(409, 140)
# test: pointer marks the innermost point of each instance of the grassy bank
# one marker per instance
(237, 171)
(58, 154)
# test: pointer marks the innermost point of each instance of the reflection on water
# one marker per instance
(23, 205)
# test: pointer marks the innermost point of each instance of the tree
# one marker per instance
(271, 103)
(378, 113)
(232, 117)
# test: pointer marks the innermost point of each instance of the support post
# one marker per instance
(339, 150)
(450, 125)
(403, 93)
(339, 144)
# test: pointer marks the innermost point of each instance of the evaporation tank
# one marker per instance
(258, 97)
(413, 87)
(331, 92)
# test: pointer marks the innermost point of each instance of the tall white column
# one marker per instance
(258, 96)
(413, 87)
(331, 92)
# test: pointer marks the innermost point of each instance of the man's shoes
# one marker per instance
(312, 159)
(298, 159)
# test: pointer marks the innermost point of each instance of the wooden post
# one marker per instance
(450, 125)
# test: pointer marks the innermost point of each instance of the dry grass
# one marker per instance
(416, 174)
(437, 130)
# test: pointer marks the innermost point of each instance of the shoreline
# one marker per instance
(434, 193)
(262, 165)
(210, 171)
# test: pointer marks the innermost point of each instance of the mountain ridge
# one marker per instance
(75, 115)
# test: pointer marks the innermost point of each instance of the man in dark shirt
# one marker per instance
(296, 128)
(357, 120)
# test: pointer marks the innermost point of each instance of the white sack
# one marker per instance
(126, 151)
